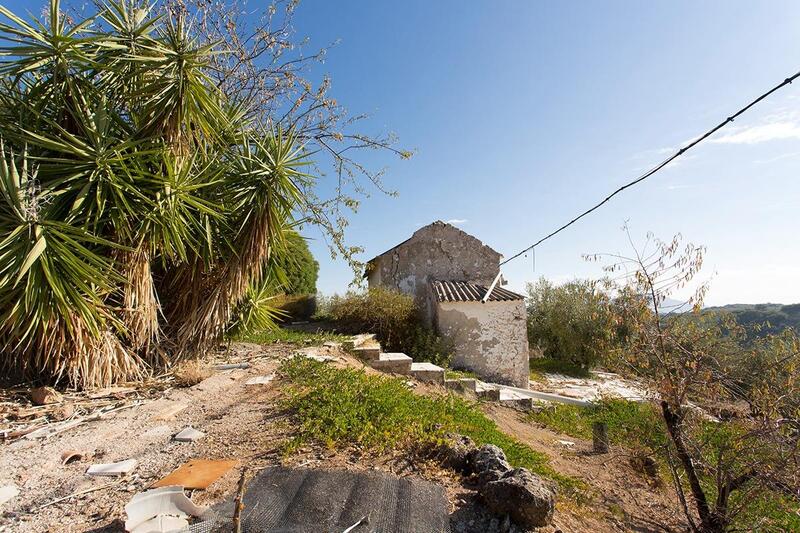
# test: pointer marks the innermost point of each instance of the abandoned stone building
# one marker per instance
(449, 273)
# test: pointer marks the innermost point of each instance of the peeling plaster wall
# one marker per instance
(437, 251)
(490, 339)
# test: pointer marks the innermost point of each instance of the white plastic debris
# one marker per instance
(567, 443)
(8, 492)
(161, 510)
(232, 366)
(259, 380)
(320, 358)
(188, 434)
(112, 469)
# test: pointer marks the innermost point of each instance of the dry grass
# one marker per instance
(191, 372)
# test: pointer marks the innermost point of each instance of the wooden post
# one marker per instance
(239, 506)
(600, 437)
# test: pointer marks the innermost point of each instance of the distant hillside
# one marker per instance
(778, 316)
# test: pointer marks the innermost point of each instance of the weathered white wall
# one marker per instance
(491, 339)
(436, 251)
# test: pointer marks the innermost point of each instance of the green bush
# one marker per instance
(298, 266)
(570, 322)
(394, 319)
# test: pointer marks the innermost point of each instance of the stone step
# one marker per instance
(368, 352)
(427, 372)
(358, 340)
(397, 363)
(516, 400)
(462, 384)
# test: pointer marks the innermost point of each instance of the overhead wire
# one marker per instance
(658, 167)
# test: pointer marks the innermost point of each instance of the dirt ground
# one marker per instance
(244, 422)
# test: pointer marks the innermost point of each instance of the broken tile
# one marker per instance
(8, 492)
(112, 469)
(196, 474)
(170, 411)
(259, 380)
(160, 510)
(188, 434)
(70, 456)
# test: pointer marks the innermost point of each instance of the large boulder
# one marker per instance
(521, 495)
(488, 463)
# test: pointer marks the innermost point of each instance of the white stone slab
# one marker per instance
(112, 469)
(259, 380)
(188, 434)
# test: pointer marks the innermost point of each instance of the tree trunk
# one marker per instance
(710, 521)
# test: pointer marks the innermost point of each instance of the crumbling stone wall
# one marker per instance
(490, 339)
(436, 251)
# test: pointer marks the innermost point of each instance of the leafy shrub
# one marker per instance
(570, 322)
(298, 266)
(394, 319)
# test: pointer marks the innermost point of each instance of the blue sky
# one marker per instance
(524, 113)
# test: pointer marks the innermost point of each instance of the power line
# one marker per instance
(658, 167)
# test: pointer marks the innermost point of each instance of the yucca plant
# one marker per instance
(139, 209)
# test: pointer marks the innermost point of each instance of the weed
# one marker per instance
(339, 407)
(293, 336)
(459, 374)
(637, 425)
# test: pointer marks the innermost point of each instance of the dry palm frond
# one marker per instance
(140, 302)
(264, 189)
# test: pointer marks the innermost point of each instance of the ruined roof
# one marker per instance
(421, 230)
(464, 291)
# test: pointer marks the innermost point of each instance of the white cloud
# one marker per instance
(789, 155)
(762, 133)
(457, 221)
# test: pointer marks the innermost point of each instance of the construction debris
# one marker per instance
(171, 411)
(45, 395)
(260, 380)
(232, 366)
(8, 492)
(70, 456)
(188, 434)
(112, 469)
(160, 510)
(197, 474)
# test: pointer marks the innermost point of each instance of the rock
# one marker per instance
(489, 463)
(522, 496)
(45, 395)
(456, 451)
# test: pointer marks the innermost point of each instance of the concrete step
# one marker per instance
(368, 352)
(462, 384)
(515, 400)
(428, 372)
(397, 363)
(358, 340)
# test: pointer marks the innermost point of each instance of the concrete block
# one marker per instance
(427, 372)
(397, 363)
(367, 353)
